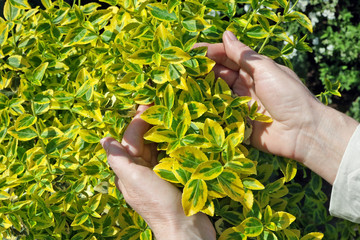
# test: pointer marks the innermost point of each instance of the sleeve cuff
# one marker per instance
(345, 194)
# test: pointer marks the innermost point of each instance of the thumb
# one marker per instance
(248, 60)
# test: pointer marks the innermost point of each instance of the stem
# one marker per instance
(268, 36)
(293, 6)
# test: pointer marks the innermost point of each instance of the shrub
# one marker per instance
(71, 75)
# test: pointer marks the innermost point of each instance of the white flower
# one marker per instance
(302, 4)
(322, 50)
(313, 18)
(246, 7)
(330, 47)
(315, 41)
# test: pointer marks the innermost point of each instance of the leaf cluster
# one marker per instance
(71, 75)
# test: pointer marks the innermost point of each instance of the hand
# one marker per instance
(302, 129)
(157, 201)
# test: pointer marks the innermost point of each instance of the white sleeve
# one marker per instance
(345, 194)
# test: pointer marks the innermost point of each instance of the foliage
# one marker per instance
(335, 43)
(71, 75)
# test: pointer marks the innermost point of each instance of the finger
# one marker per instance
(117, 156)
(133, 139)
(216, 52)
(230, 76)
(249, 60)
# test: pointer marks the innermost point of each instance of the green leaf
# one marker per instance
(23, 134)
(24, 121)
(252, 227)
(175, 55)
(271, 51)
(159, 11)
(17, 61)
(208, 170)
(194, 24)
(194, 196)
(21, 4)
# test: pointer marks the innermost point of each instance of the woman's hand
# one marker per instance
(157, 201)
(302, 129)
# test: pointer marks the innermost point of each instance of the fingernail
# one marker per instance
(231, 36)
(104, 144)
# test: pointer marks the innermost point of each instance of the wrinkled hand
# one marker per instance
(302, 129)
(157, 201)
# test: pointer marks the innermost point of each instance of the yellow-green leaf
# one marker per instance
(142, 56)
(189, 157)
(257, 32)
(159, 134)
(231, 183)
(4, 31)
(252, 227)
(313, 236)
(24, 121)
(175, 55)
(17, 61)
(51, 132)
(154, 115)
(302, 19)
(130, 233)
(80, 218)
(208, 170)
(195, 24)
(39, 73)
(146, 235)
(169, 96)
(89, 136)
(196, 109)
(164, 170)
(242, 166)
(21, 4)
(252, 183)
(232, 233)
(221, 87)
(214, 132)
(194, 196)
(282, 220)
(23, 134)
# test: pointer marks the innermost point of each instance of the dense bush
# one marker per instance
(72, 74)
